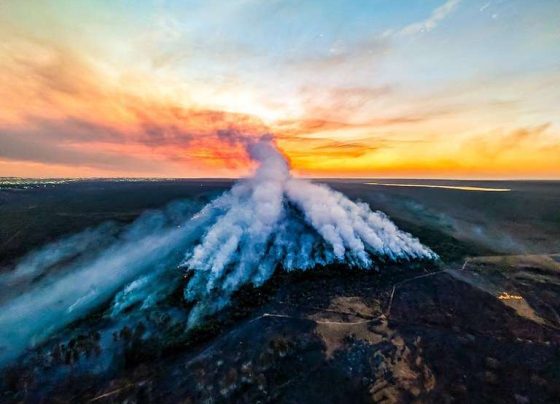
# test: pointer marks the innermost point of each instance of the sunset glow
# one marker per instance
(419, 89)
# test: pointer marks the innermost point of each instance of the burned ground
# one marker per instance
(481, 325)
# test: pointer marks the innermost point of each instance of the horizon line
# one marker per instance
(304, 177)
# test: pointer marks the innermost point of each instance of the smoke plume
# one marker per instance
(274, 219)
(49, 289)
(271, 220)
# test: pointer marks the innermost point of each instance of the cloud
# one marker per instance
(347, 149)
(363, 53)
(525, 152)
(513, 142)
(341, 102)
(58, 108)
(427, 25)
(148, 145)
(332, 100)
(32, 146)
(301, 127)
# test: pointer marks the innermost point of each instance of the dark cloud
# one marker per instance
(74, 130)
(33, 146)
(346, 149)
(147, 146)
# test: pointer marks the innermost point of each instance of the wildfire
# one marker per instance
(507, 296)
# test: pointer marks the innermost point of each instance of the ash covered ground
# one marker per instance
(479, 324)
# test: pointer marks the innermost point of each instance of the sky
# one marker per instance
(348, 88)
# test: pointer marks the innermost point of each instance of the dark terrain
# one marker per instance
(481, 325)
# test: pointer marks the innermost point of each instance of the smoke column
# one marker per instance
(271, 220)
(274, 219)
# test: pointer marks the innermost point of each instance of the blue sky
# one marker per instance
(450, 75)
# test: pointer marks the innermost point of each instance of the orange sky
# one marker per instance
(140, 95)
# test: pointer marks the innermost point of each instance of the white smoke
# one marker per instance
(274, 219)
(267, 221)
(59, 292)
